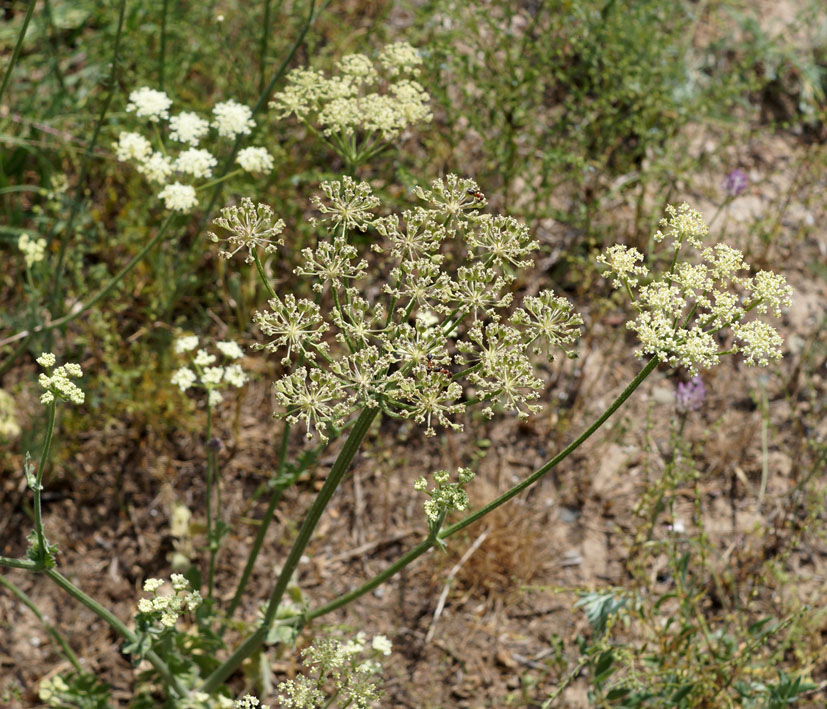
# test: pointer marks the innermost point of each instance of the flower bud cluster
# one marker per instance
(177, 173)
(341, 670)
(53, 691)
(682, 313)
(440, 335)
(33, 250)
(58, 383)
(376, 100)
(447, 495)
(166, 609)
(203, 371)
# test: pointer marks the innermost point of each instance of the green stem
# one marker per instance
(263, 526)
(334, 478)
(218, 180)
(53, 632)
(426, 544)
(38, 516)
(52, 37)
(112, 84)
(210, 540)
(17, 47)
(262, 274)
(20, 563)
(117, 625)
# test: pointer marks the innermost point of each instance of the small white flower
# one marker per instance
(46, 359)
(232, 119)
(188, 127)
(132, 146)
(382, 644)
(215, 397)
(230, 349)
(212, 376)
(235, 375)
(145, 605)
(196, 162)
(152, 585)
(179, 583)
(156, 168)
(178, 197)
(203, 358)
(149, 103)
(255, 160)
(186, 343)
(183, 378)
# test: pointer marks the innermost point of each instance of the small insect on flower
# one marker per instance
(476, 194)
(429, 366)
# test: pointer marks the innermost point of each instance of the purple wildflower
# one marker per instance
(690, 395)
(736, 182)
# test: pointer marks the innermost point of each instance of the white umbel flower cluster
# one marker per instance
(149, 103)
(58, 383)
(188, 127)
(255, 160)
(33, 250)
(232, 119)
(178, 197)
(177, 171)
(681, 314)
(202, 373)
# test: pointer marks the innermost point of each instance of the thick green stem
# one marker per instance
(53, 632)
(115, 623)
(263, 525)
(262, 274)
(44, 457)
(426, 544)
(335, 477)
(17, 47)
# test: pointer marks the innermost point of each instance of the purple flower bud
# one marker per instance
(690, 395)
(736, 182)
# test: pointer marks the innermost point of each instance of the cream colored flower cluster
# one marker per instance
(343, 665)
(357, 99)
(446, 495)
(166, 609)
(177, 173)
(681, 314)
(204, 373)
(58, 383)
(33, 250)
(441, 335)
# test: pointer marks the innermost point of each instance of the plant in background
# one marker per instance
(363, 107)
(177, 172)
(203, 373)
